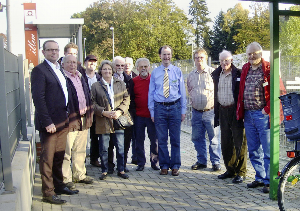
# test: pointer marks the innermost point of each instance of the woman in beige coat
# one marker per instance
(110, 99)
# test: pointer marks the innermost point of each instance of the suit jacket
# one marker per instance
(236, 74)
(48, 98)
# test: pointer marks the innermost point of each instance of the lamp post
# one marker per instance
(113, 43)
(84, 39)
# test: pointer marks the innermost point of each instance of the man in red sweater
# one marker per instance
(139, 100)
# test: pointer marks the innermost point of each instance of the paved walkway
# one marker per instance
(147, 190)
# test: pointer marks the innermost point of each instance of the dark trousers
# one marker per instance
(51, 159)
(140, 124)
(94, 150)
(233, 144)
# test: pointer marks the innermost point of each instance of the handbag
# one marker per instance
(124, 121)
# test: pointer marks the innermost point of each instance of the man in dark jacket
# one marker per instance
(91, 76)
(226, 89)
(80, 121)
(50, 96)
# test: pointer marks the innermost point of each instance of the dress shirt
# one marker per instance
(156, 89)
(225, 95)
(201, 88)
(79, 90)
(91, 80)
(61, 77)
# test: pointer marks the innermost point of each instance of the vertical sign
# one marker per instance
(31, 38)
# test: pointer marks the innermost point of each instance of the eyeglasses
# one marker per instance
(107, 69)
(225, 60)
(120, 65)
(71, 62)
(52, 50)
(254, 54)
(196, 57)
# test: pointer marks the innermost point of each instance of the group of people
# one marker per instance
(71, 100)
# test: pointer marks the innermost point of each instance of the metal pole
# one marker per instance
(9, 31)
(274, 89)
(113, 41)
(84, 39)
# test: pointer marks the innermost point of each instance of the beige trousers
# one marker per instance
(75, 148)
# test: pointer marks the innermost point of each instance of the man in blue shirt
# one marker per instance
(167, 106)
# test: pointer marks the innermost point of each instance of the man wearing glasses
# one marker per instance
(80, 121)
(201, 90)
(234, 148)
(118, 65)
(50, 95)
(254, 107)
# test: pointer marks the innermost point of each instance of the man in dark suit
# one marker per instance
(50, 96)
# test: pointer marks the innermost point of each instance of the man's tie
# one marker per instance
(166, 84)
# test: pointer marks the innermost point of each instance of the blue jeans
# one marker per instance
(204, 122)
(118, 140)
(167, 119)
(140, 124)
(257, 128)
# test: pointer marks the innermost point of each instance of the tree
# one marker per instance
(234, 21)
(139, 28)
(257, 28)
(199, 12)
(289, 35)
(219, 37)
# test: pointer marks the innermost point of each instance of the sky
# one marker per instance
(66, 8)
(63, 9)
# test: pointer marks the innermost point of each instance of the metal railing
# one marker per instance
(12, 111)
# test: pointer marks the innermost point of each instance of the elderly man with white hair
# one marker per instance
(226, 90)
(254, 107)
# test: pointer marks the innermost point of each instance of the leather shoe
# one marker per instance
(155, 167)
(95, 163)
(238, 179)
(255, 184)
(53, 200)
(225, 175)
(163, 172)
(216, 167)
(66, 191)
(140, 168)
(266, 188)
(103, 176)
(124, 176)
(175, 172)
(197, 166)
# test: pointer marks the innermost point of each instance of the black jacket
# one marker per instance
(236, 75)
(48, 98)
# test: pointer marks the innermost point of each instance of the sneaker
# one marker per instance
(255, 184)
(70, 185)
(216, 167)
(266, 188)
(86, 180)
